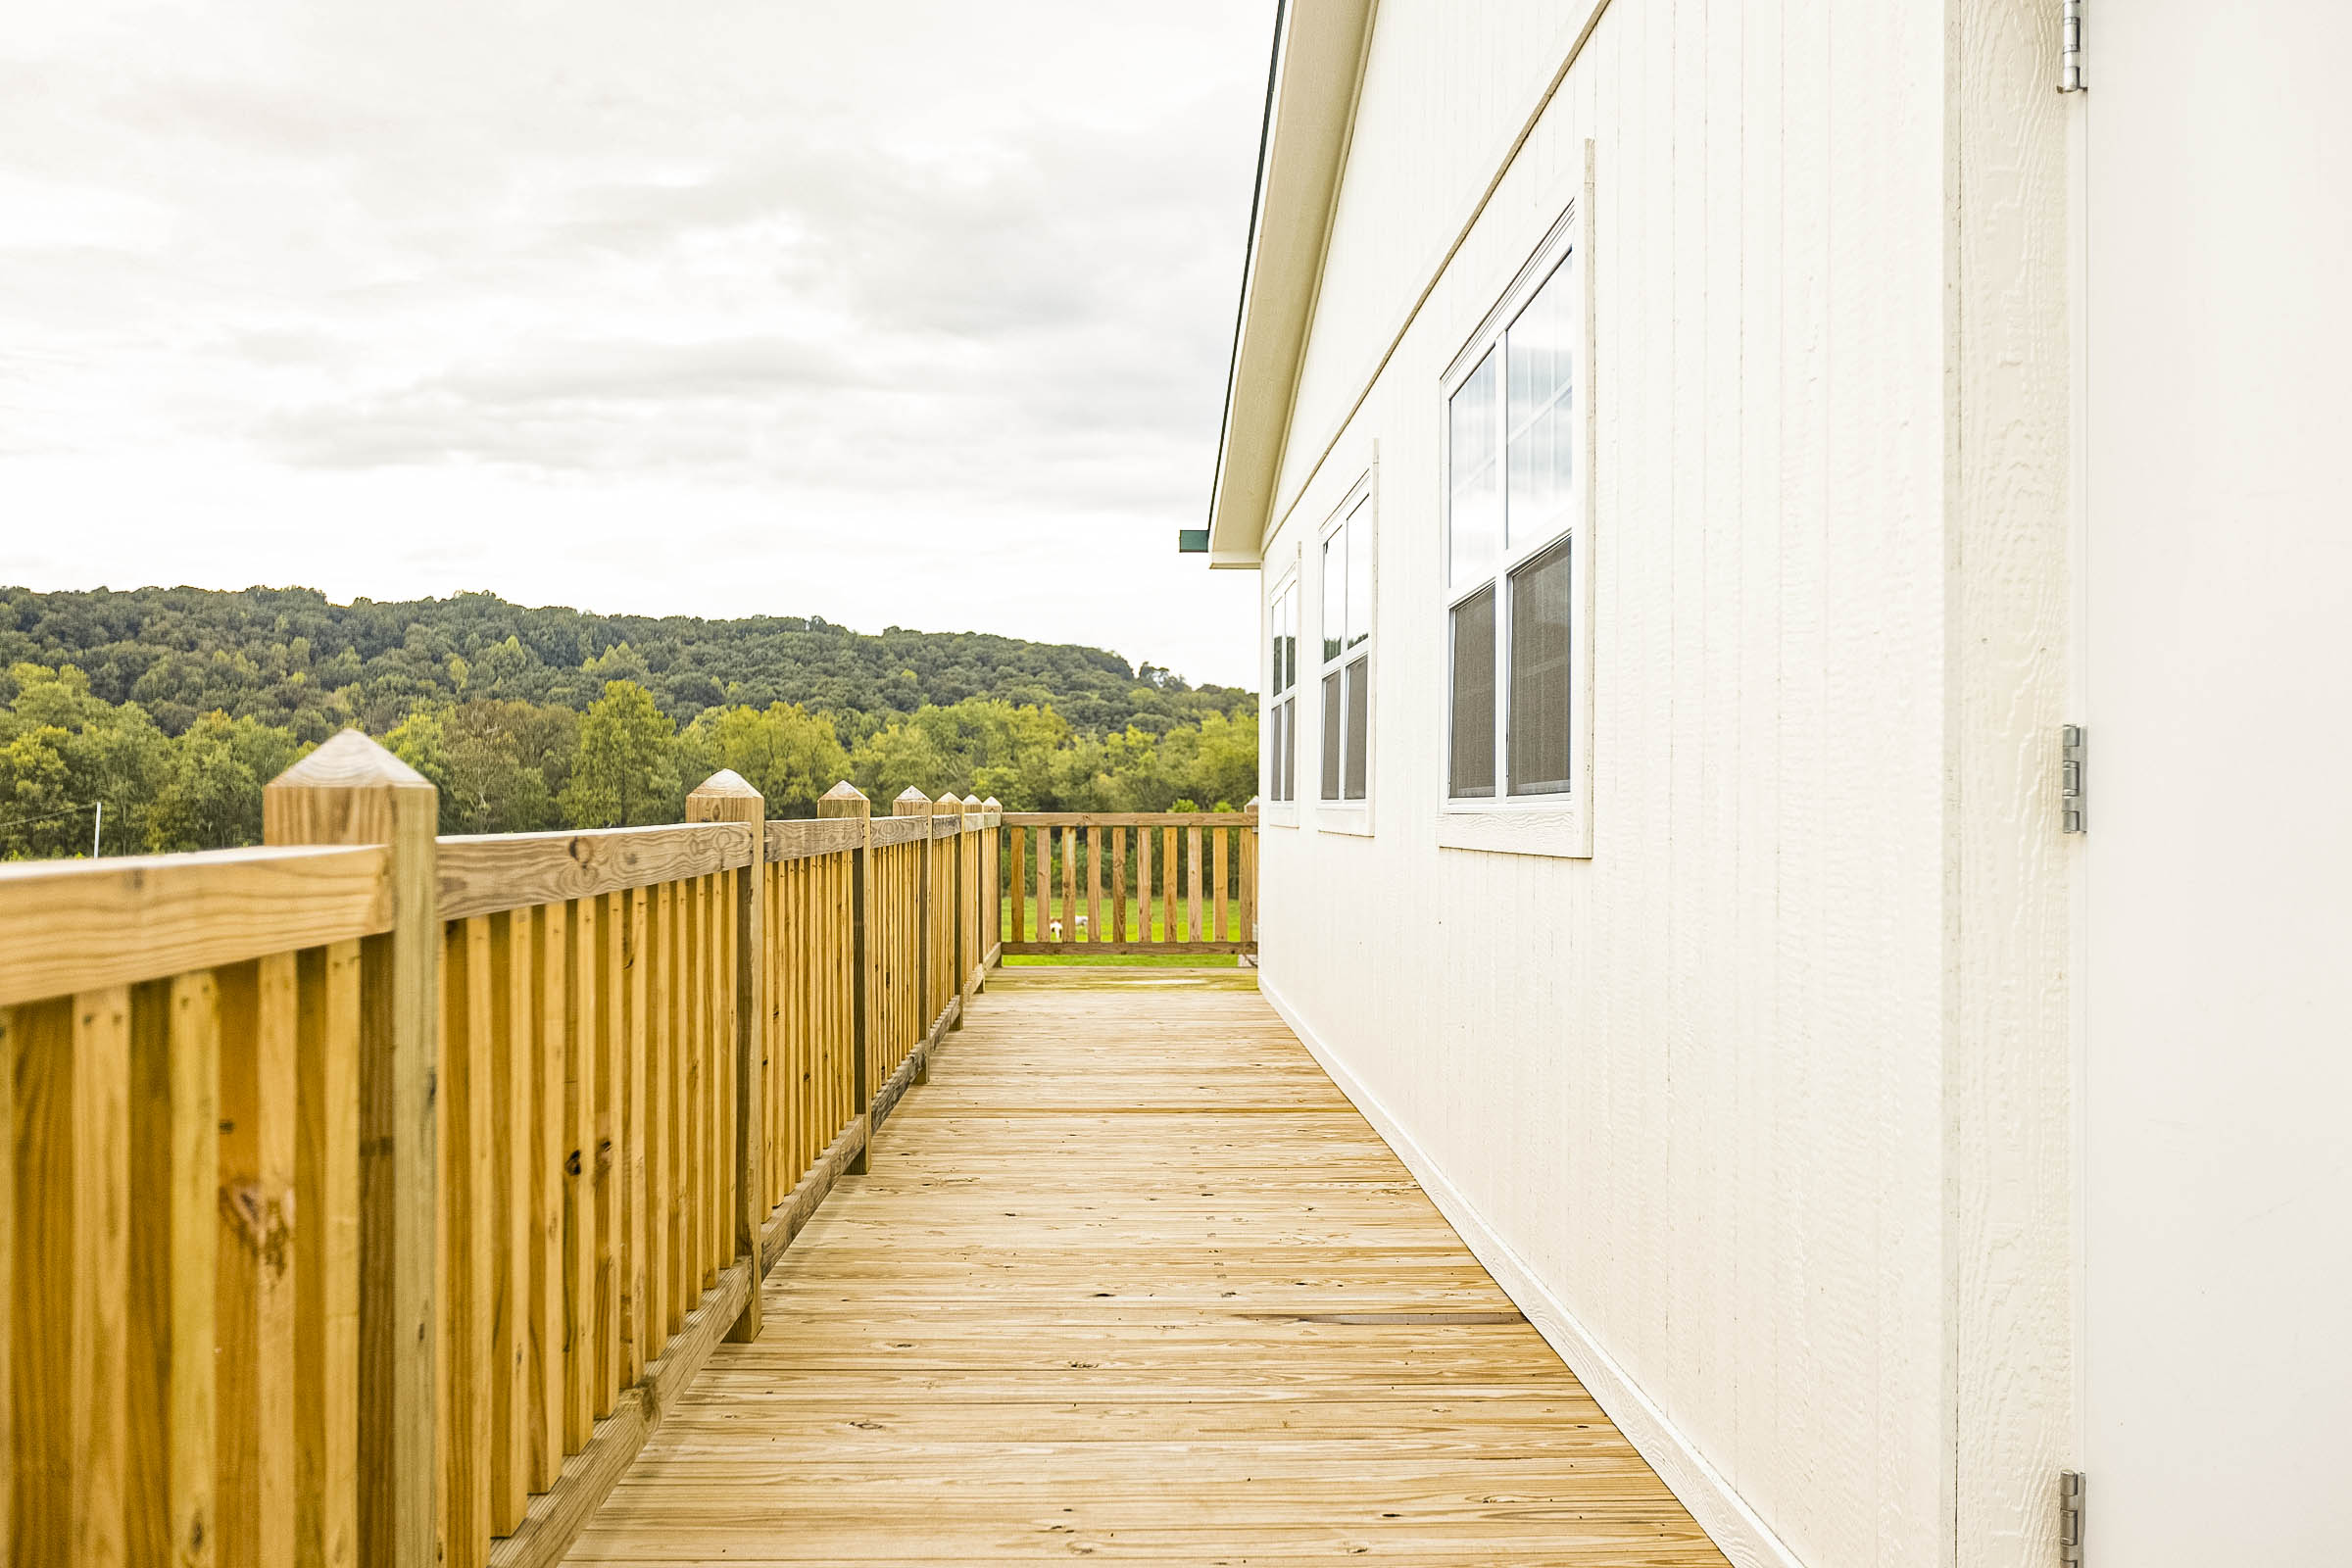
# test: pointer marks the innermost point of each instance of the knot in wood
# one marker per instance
(263, 1224)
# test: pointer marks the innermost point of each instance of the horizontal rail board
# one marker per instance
(1234, 819)
(499, 871)
(889, 830)
(78, 925)
(805, 840)
(1067, 950)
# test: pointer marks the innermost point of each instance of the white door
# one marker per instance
(2217, 1076)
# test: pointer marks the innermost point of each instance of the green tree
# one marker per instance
(213, 797)
(626, 771)
(38, 815)
(783, 750)
(508, 762)
(121, 760)
(420, 741)
(63, 752)
(889, 761)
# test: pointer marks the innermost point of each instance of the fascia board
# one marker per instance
(1319, 55)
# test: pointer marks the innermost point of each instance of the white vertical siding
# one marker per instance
(1719, 1087)
(1466, 90)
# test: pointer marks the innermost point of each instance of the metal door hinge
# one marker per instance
(2070, 1516)
(2070, 47)
(2075, 748)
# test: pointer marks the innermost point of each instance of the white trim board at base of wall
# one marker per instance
(1734, 1527)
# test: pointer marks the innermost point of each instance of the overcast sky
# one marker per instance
(913, 314)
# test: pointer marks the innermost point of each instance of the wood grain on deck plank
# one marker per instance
(1129, 1278)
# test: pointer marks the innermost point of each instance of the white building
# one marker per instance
(1699, 457)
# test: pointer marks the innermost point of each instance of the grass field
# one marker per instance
(1173, 961)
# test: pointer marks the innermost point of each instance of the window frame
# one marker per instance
(1340, 815)
(1278, 809)
(1557, 824)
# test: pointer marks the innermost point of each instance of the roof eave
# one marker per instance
(1318, 57)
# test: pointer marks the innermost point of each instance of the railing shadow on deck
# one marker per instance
(373, 1195)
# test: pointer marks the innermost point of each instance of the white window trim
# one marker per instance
(1352, 818)
(1272, 812)
(1558, 825)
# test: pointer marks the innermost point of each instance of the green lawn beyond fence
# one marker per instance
(1158, 917)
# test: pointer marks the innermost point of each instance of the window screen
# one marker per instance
(1539, 744)
(1359, 723)
(1471, 765)
(1331, 736)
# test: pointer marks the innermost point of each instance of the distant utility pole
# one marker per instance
(97, 828)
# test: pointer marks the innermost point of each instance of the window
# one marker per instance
(1347, 649)
(1282, 686)
(1514, 487)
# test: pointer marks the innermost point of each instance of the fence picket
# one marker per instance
(508, 1214)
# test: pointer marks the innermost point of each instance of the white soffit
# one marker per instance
(1319, 53)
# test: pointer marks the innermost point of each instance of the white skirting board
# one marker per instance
(1737, 1530)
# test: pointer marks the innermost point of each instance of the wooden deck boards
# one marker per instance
(1129, 1279)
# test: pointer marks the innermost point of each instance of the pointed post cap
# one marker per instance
(992, 804)
(844, 799)
(1252, 805)
(971, 802)
(949, 805)
(725, 782)
(349, 791)
(911, 802)
(725, 797)
(350, 758)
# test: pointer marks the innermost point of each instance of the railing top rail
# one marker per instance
(1130, 818)
(889, 830)
(825, 835)
(78, 925)
(488, 874)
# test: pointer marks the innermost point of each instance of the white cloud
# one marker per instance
(913, 314)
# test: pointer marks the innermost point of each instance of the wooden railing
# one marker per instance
(1123, 882)
(371, 1196)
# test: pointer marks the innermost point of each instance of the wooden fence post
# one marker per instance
(725, 797)
(913, 802)
(992, 925)
(1248, 880)
(845, 799)
(953, 808)
(352, 790)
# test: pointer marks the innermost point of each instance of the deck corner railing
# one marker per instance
(1178, 883)
(371, 1195)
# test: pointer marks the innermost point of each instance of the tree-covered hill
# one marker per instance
(289, 658)
(160, 714)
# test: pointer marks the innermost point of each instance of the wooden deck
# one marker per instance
(1129, 1279)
